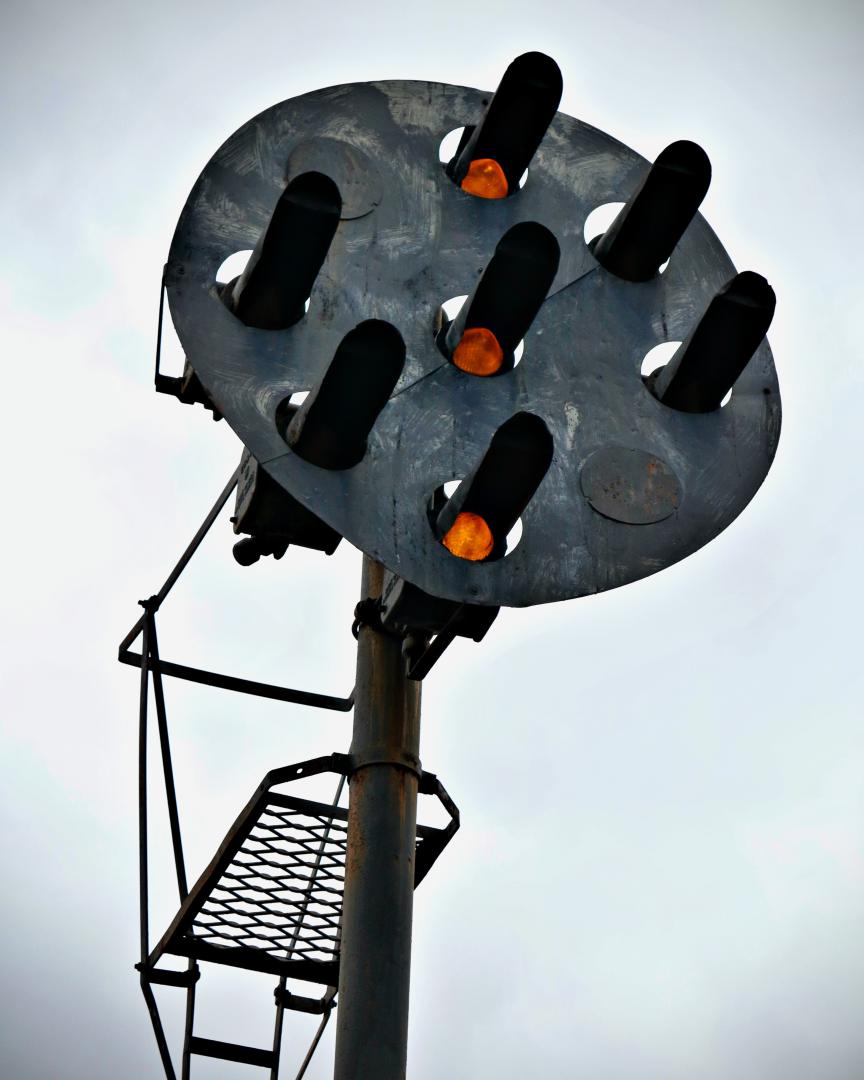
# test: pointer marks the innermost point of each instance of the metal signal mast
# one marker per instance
(368, 413)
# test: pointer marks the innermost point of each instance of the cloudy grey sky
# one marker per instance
(659, 872)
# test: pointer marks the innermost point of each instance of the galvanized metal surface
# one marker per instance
(630, 486)
(413, 241)
(375, 953)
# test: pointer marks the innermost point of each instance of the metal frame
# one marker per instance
(212, 678)
(430, 843)
(179, 939)
(153, 667)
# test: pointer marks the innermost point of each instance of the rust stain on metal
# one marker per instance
(630, 486)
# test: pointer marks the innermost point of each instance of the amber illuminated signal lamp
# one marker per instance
(478, 352)
(469, 537)
(498, 147)
(475, 521)
(484, 336)
(485, 178)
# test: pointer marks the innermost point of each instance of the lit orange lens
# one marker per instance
(485, 178)
(478, 352)
(469, 537)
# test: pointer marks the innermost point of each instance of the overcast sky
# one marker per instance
(659, 872)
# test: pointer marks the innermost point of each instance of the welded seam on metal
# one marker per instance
(433, 371)
(570, 284)
(410, 386)
(444, 363)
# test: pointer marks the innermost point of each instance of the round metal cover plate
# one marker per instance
(413, 240)
(630, 486)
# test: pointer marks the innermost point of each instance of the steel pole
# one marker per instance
(375, 965)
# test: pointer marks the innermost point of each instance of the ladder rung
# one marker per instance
(166, 977)
(246, 1055)
(295, 1002)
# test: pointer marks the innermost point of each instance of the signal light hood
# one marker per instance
(646, 231)
(331, 427)
(505, 302)
(710, 361)
(498, 490)
(512, 127)
(271, 292)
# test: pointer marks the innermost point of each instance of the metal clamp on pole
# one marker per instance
(386, 755)
(369, 612)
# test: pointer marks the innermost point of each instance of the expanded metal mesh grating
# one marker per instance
(282, 891)
(271, 899)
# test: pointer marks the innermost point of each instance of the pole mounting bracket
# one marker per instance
(386, 755)
(369, 613)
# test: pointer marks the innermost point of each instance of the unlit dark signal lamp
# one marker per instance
(272, 291)
(708, 363)
(332, 426)
(644, 234)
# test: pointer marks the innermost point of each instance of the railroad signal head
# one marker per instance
(707, 365)
(332, 426)
(474, 522)
(495, 153)
(272, 291)
(646, 231)
(624, 494)
(482, 338)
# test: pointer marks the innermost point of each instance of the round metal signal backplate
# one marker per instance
(410, 239)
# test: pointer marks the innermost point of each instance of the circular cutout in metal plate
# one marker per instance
(425, 241)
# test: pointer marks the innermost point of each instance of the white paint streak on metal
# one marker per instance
(572, 417)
